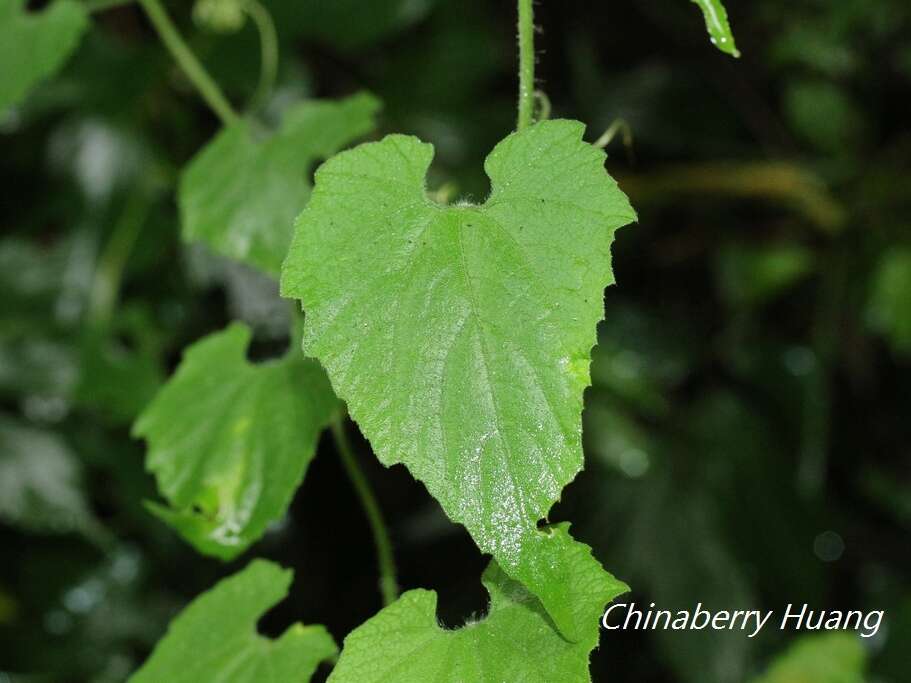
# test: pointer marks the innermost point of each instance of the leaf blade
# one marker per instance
(835, 657)
(33, 46)
(239, 195)
(718, 26)
(215, 636)
(515, 641)
(460, 336)
(229, 442)
(41, 482)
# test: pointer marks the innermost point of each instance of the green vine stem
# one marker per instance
(526, 64)
(542, 104)
(195, 71)
(618, 126)
(112, 262)
(388, 585)
(268, 41)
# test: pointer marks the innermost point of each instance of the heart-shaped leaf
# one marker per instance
(460, 336)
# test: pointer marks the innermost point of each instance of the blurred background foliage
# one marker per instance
(748, 427)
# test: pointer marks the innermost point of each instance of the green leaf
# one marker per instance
(716, 23)
(115, 381)
(753, 275)
(826, 658)
(41, 482)
(241, 193)
(460, 335)
(215, 638)
(822, 112)
(33, 45)
(888, 311)
(516, 641)
(229, 442)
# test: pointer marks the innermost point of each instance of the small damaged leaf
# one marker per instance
(515, 641)
(214, 638)
(229, 442)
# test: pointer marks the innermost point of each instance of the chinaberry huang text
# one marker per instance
(627, 616)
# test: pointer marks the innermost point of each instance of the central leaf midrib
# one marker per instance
(473, 304)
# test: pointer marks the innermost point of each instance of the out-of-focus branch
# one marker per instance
(780, 182)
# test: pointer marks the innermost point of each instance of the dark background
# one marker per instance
(748, 426)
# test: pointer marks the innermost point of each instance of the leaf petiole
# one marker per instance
(543, 106)
(617, 126)
(621, 127)
(109, 272)
(526, 64)
(268, 41)
(388, 585)
(188, 62)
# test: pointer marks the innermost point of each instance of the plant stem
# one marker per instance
(268, 42)
(388, 585)
(542, 102)
(101, 5)
(187, 60)
(526, 64)
(618, 126)
(113, 260)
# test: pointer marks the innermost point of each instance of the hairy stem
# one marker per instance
(268, 60)
(195, 71)
(526, 64)
(388, 585)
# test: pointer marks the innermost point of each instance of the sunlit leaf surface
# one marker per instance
(460, 335)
